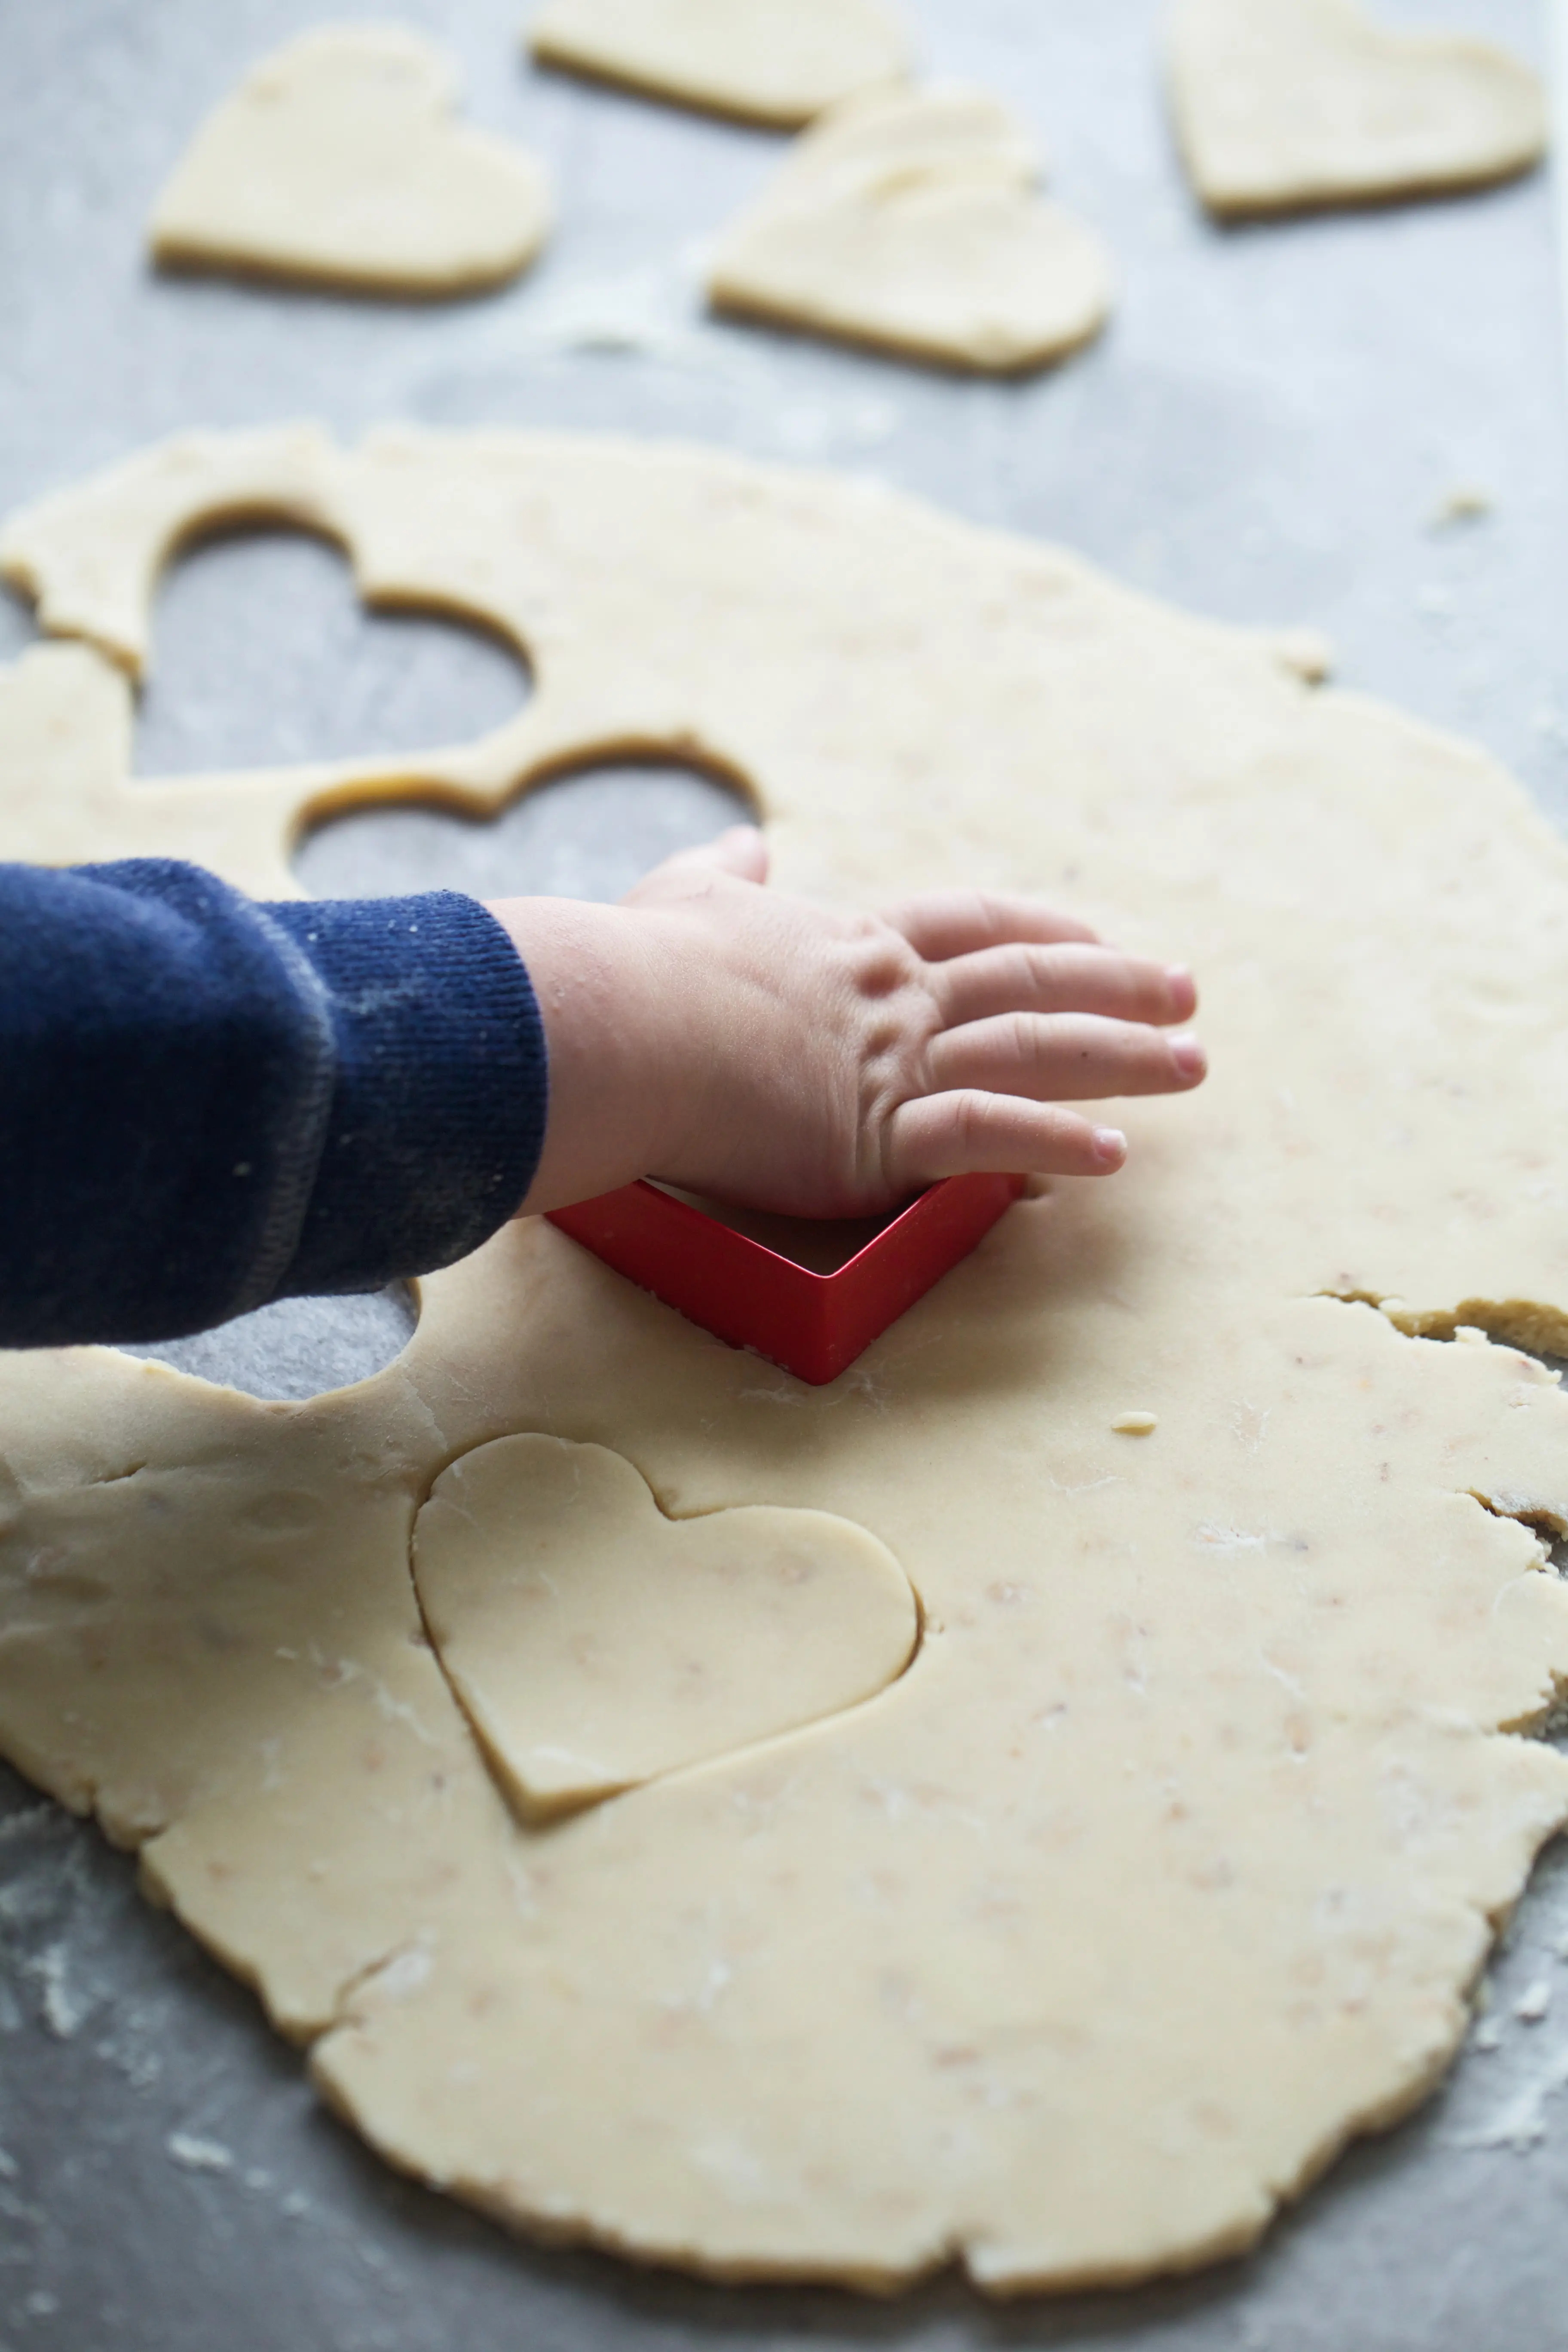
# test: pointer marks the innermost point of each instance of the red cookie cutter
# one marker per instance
(751, 1294)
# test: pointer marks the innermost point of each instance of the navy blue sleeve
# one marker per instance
(206, 1104)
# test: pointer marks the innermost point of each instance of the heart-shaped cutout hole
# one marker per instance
(595, 1644)
(296, 1348)
(267, 657)
(337, 160)
(910, 220)
(1285, 105)
(591, 833)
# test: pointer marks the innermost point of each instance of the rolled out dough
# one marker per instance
(337, 160)
(1168, 1864)
(910, 219)
(1284, 105)
(777, 62)
(595, 1644)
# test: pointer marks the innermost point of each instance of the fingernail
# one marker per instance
(1179, 980)
(1110, 1145)
(1188, 1054)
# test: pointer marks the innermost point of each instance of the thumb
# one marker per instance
(741, 851)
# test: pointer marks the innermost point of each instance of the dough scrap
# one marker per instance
(595, 1645)
(1166, 1866)
(338, 162)
(1286, 105)
(777, 62)
(910, 220)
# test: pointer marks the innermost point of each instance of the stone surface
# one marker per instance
(1270, 435)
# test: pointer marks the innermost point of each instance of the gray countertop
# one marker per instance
(1270, 432)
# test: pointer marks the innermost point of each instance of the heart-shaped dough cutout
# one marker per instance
(1286, 105)
(773, 61)
(595, 1645)
(909, 219)
(337, 160)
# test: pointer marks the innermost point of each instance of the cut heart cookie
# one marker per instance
(909, 219)
(595, 1644)
(1286, 105)
(337, 160)
(777, 62)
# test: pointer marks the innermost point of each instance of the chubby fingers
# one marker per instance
(1065, 1058)
(1067, 977)
(943, 923)
(969, 1131)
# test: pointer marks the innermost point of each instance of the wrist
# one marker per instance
(614, 1086)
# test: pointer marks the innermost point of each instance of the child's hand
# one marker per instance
(782, 1054)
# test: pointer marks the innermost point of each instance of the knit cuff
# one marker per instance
(438, 1101)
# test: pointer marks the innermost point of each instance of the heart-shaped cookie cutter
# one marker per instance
(752, 1295)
